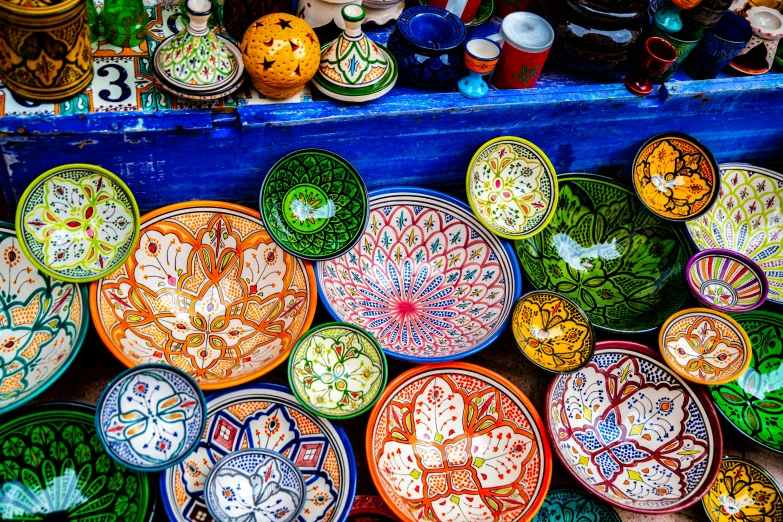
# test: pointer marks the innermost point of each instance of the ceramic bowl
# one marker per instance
(621, 264)
(705, 346)
(54, 468)
(337, 370)
(726, 281)
(314, 204)
(747, 219)
(207, 291)
(446, 440)
(42, 324)
(744, 491)
(562, 505)
(369, 508)
(150, 417)
(77, 223)
(255, 484)
(427, 280)
(634, 433)
(266, 416)
(483, 15)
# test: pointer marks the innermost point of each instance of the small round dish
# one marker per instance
(705, 346)
(726, 281)
(743, 491)
(314, 204)
(369, 508)
(675, 176)
(150, 417)
(566, 505)
(552, 331)
(337, 370)
(255, 484)
(512, 187)
(77, 222)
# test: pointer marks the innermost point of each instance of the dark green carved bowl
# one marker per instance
(563, 505)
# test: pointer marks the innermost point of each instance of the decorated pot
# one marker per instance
(759, 54)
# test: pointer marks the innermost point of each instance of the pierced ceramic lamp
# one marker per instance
(668, 18)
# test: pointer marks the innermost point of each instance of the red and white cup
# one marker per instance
(464, 9)
(525, 39)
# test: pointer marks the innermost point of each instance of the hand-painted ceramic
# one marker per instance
(455, 441)
(726, 281)
(53, 467)
(255, 484)
(675, 176)
(552, 331)
(743, 491)
(337, 370)
(512, 187)
(266, 416)
(621, 264)
(207, 291)
(633, 433)
(747, 219)
(77, 222)
(42, 324)
(485, 11)
(705, 346)
(427, 280)
(314, 204)
(369, 508)
(150, 417)
(570, 505)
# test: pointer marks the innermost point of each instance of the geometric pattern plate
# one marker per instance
(744, 491)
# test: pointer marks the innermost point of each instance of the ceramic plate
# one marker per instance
(512, 187)
(314, 204)
(726, 281)
(266, 416)
(569, 505)
(457, 442)
(675, 176)
(746, 218)
(632, 432)
(369, 508)
(743, 491)
(53, 467)
(484, 13)
(42, 324)
(207, 291)
(427, 280)
(77, 222)
(337, 370)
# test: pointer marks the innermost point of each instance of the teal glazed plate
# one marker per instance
(314, 204)
(624, 266)
(570, 505)
(53, 467)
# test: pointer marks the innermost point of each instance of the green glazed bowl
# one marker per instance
(624, 266)
(564, 505)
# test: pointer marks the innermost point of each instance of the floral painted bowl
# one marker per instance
(207, 291)
(747, 219)
(570, 505)
(150, 417)
(726, 281)
(77, 223)
(337, 370)
(369, 508)
(455, 441)
(743, 491)
(632, 432)
(53, 467)
(427, 280)
(266, 416)
(603, 250)
(43, 323)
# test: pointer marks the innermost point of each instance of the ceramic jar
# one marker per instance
(684, 41)
(239, 14)
(707, 13)
(759, 54)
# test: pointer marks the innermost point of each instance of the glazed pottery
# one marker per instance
(77, 222)
(658, 56)
(704, 346)
(42, 324)
(512, 187)
(337, 370)
(213, 18)
(741, 6)
(552, 332)
(481, 56)
(353, 68)
(726, 281)
(720, 44)
(683, 41)
(54, 468)
(427, 280)
(265, 416)
(281, 54)
(621, 264)
(125, 22)
(150, 417)
(238, 15)
(457, 442)
(743, 491)
(563, 505)
(314, 204)
(754, 402)
(207, 291)
(633, 433)
(707, 13)
(255, 484)
(668, 18)
(428, 44)
(675, 176)
(46, 48)
(746, 218)
(758, 56)
(369, 508)
(465, 10)
(526, 39)
(485, 11)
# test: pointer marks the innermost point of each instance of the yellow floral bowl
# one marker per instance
(743, 491)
